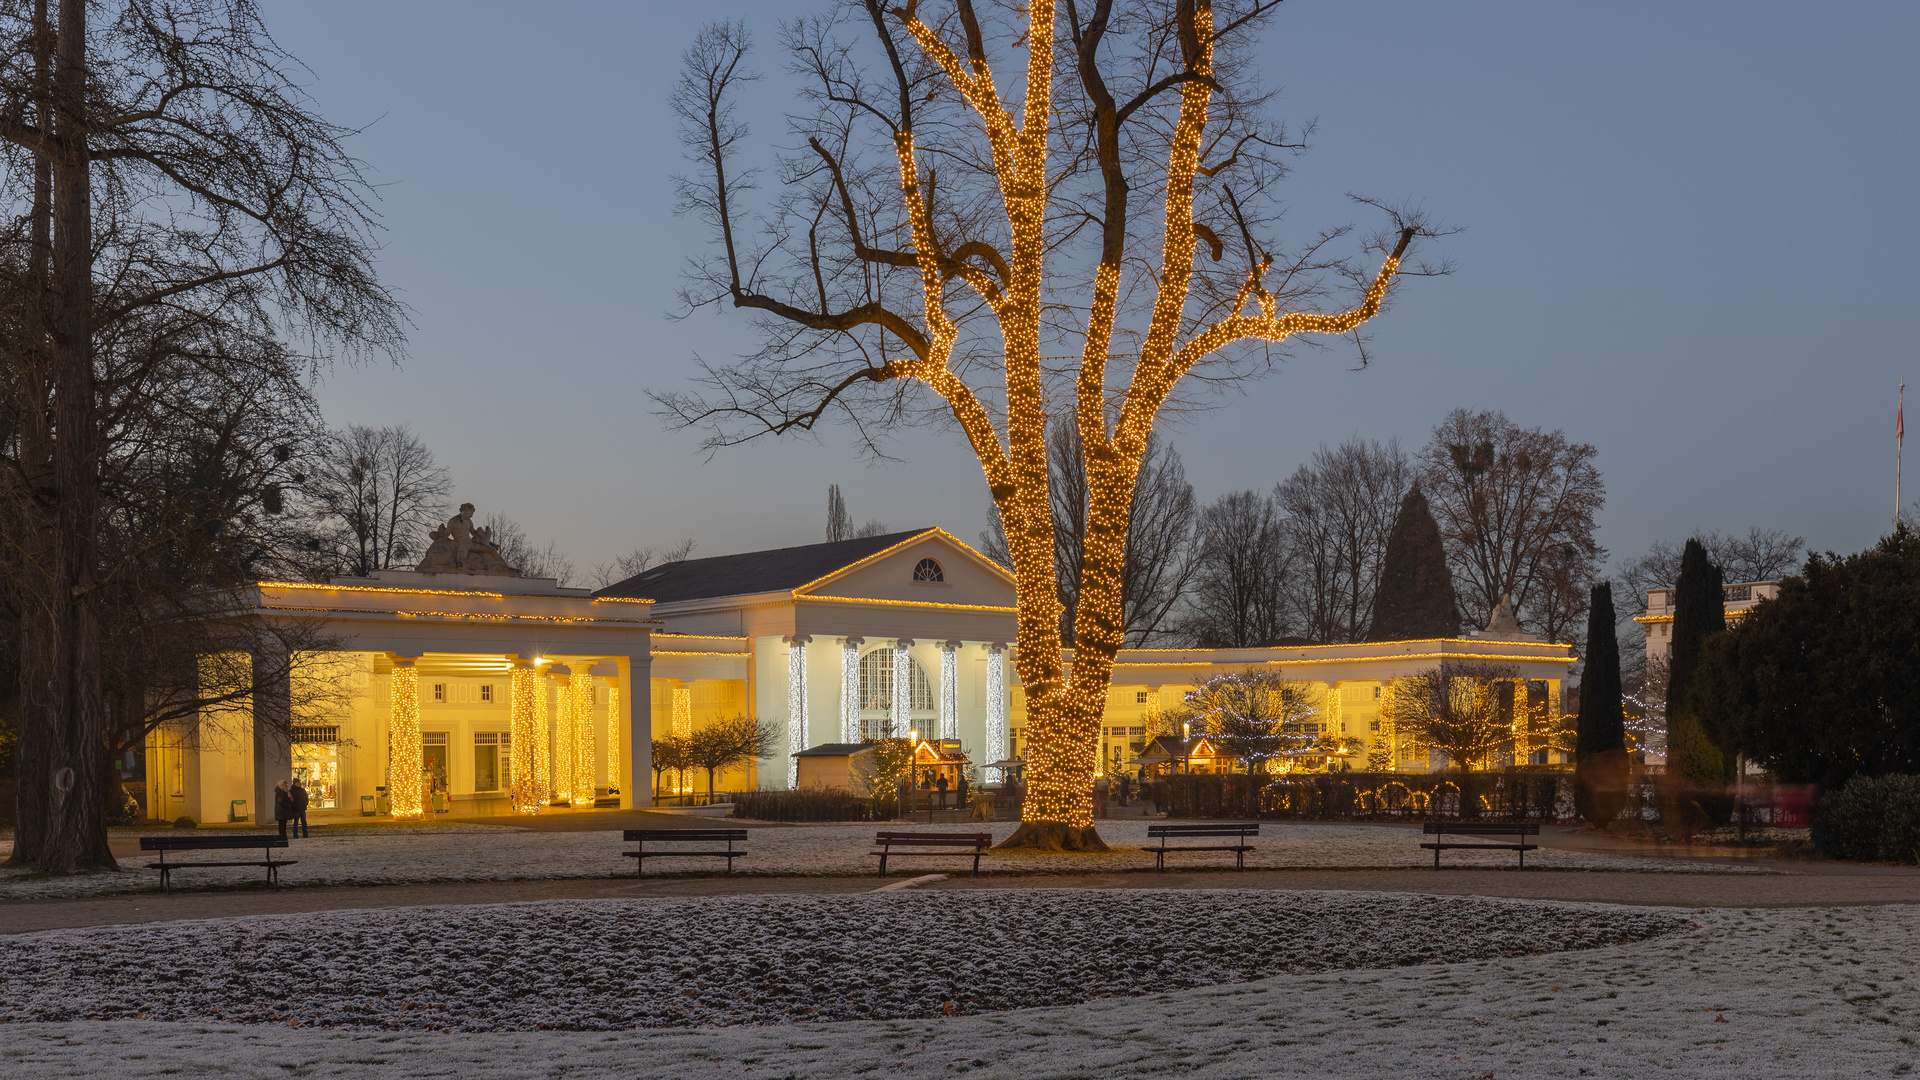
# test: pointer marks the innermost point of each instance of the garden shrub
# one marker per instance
(806, 804)
(1872, 819)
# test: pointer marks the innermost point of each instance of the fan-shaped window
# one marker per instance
(876, 683)
(928, 570)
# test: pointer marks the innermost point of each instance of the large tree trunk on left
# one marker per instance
(62, 778)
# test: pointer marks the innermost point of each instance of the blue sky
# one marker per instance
(1688, 237)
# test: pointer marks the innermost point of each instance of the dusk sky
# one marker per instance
(1688, 240)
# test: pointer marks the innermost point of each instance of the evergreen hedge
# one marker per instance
(1872, 819)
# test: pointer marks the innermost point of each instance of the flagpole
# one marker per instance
(1899, 443)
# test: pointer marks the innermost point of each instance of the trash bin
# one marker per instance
(366, 806)
(439, 802)
(238, 811)
(380, 801)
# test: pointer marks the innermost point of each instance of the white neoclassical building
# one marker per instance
(464, 688)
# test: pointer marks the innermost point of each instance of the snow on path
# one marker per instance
(620, 964)
(1780, 992)
(428, 854)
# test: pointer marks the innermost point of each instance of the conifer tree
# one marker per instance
(1700, 612)
(1415, 598)
(1600, 749)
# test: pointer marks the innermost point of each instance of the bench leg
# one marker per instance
(1160, 860)
(1436, 855)
(976, 864)
(1240, 861)
(1523, 854)
(883, 865)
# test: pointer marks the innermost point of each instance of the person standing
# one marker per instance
(941, 786)
(301, 799)
(282, 806)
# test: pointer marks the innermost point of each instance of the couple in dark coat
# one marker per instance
(290, 805)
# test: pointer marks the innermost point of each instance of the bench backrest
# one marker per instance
(702, 835)
(1459, 828)
(910, 839)
(211, 843)
(1225, 828)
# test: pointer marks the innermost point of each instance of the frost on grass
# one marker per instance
(621, 964)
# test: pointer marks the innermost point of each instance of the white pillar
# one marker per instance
(902, 687)
(796, 704)
(850, 688)
(949, 690)
(996, 706)
(636, 717)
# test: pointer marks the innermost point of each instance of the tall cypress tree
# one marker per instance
(1700, 612)
(1415, 598)
(1600, 749)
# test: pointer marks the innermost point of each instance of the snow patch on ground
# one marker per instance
(720, 961)
(413, 854)
(1778, 992)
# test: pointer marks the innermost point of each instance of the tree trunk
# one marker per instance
(62, 829)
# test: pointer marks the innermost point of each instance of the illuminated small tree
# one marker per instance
(1252, 716)
(1465, 711)
(946, 246)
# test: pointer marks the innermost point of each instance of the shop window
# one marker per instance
(316, 764)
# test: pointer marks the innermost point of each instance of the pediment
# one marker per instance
(966, 576)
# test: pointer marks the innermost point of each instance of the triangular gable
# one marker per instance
(968, 578)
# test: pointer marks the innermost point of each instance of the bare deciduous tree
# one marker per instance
(519, 552)
(1517, 508)
(639, 561)
(1238, 598)
(166, 182)
(1161, 557)
(384, 494)
(942, 237)
(1465, 711)
(839, 522)
(1339, 511)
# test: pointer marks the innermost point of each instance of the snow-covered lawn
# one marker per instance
(357, 856)
(717, 961)
(1775, 993)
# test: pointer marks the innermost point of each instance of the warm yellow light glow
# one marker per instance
(529, 722)
(564, 742)
(613, 736)
(999, 609)
(682, 712)
(404, 768)
(582, 694)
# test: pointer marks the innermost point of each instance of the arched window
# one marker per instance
(928, 570)
(876, 683)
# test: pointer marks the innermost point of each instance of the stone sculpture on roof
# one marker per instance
(460, 547)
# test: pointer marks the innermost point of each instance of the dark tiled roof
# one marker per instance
(751, 571)
(834, 749)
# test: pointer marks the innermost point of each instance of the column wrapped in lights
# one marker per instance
(850, 689)
(996, 707)
(613, 737)
(527, 717)
(949, 690)
(563, 740)
(581, 691)
(796, 704)
(682, 726)
(902, 687)
(404, 768)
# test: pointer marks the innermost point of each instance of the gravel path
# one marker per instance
(613, 964)
(1826, 993)
(500, 853)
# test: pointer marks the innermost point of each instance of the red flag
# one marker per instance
(1900, 423)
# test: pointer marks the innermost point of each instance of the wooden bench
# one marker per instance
(643, 837)
(1238, 830)
(265, 841)
(945, 843)
(1443, 829)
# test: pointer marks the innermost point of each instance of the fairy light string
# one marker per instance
(1065, 709)
(404, 787)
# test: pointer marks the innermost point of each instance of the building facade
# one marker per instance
(475, 693)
